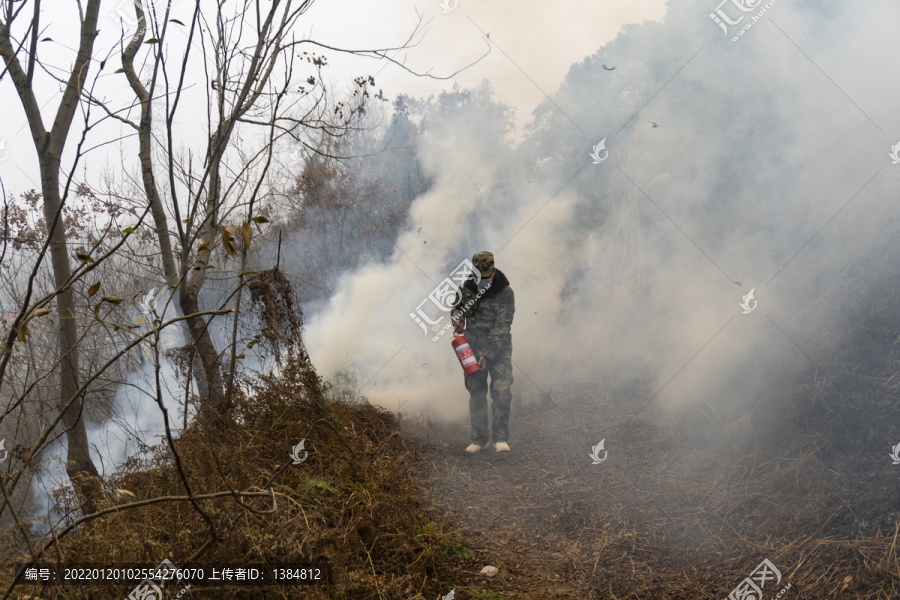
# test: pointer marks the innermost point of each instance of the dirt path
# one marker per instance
(679, 510)
(520, 507)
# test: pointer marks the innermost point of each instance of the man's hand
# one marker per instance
(460, 327)
(482, 362)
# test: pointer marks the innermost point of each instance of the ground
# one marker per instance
(687, 503)
(668, 515)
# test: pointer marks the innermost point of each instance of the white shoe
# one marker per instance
(502, 447)
(473, 448)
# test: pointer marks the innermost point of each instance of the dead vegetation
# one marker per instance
(229, 492)
(273, 299)
(659, 519)
(352, 505)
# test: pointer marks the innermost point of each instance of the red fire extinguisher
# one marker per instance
(465, 355)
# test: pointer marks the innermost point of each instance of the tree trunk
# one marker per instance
(49, 146)
(206, 349)
(206, 369)
(79, 466)
(193, 282)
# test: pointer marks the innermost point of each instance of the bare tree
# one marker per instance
(202, 210)
(49, 146)
(245, 91)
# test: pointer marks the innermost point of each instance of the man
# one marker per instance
(488, 309)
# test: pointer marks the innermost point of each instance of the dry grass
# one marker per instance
(351, 505)
(659, 519)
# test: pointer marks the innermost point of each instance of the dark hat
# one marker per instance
(484, 262)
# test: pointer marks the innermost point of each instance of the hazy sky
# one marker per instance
(534, 42)
(534, 45)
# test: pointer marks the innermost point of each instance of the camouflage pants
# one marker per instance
(501, 375)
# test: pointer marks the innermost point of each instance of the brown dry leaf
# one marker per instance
(247, 234)
(228, 241)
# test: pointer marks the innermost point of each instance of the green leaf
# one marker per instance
(141, 321)
(93, 289)
(152, 41)
(112, 299)
(260, 220)
(41, 312)
(128, 230)
(122, 70)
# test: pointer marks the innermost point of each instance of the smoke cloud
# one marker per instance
(757, 164)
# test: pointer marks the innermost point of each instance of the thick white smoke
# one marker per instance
(729, 163)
